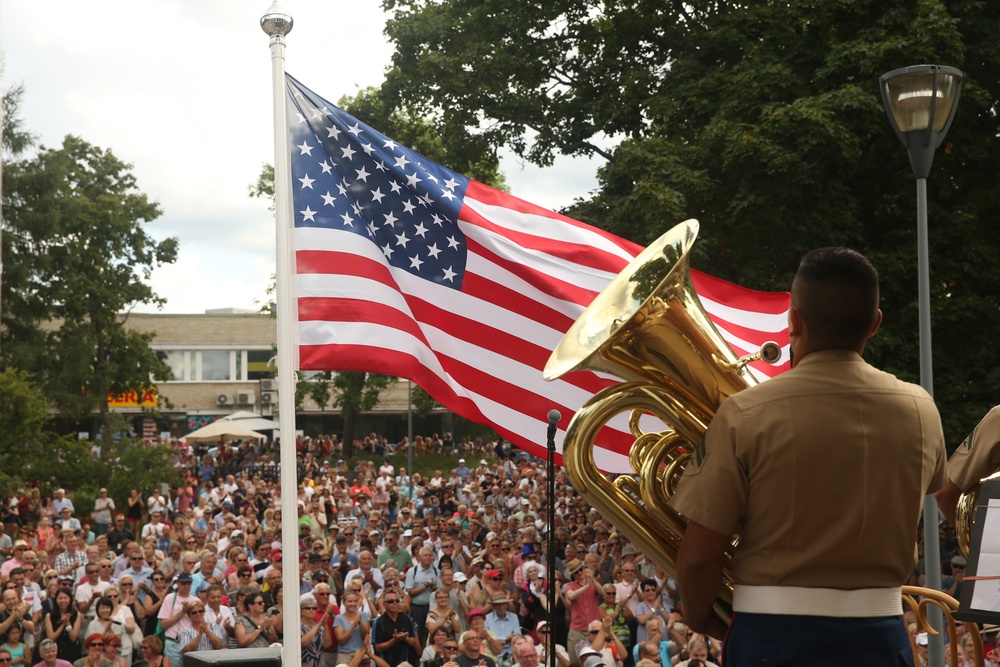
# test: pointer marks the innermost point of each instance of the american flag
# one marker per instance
(407, 268)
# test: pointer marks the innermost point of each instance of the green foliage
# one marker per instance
(24, 444)
(76, 259)
(764, 121)
(16, 139)
(422, 402)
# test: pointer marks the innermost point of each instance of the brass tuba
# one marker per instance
(649, 328)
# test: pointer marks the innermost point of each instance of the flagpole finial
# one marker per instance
(276, 21)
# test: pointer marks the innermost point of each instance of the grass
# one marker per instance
(424, 463)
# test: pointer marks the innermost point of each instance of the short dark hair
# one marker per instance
(836, 291)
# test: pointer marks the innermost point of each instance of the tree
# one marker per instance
(761, 119)
(77, 258)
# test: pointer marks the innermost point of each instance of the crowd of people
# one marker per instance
(446, 571)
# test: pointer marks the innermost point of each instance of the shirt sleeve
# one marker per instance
(979, 454)
(713, 490)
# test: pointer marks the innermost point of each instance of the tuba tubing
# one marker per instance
(649, 328)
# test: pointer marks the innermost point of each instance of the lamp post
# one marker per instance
(920, 102)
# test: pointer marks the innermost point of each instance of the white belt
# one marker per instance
(800, 601)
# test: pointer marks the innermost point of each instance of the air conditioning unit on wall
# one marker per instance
(244, 397)
(271, 384)
(268, 397)
(223, 399)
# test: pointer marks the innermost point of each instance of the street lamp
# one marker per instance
(920, 102)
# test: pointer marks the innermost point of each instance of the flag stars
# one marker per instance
(395, 187)
(347, 153)
(355, 129)
(377, 195)
(390, 144)
(453, 242)
(402, 239)
(447, 194)
(449, 274)
(387, 251)
(300, 117)
(333, 132)
(326, 167)
(390, 219)
(412, 180)
(436, 219)
(305, 148)
(342, 188)
(433, 250)
(306, 182)
(367, 148)
(451, 184)
(420, 230)
(308, 214)
(401, 161)
(348, 220)
(415, 262)
(328, 199)
(362, 174)
(408, 207)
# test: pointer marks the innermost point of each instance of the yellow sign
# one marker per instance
(147, 398)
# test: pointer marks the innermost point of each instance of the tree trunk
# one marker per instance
(350, 411)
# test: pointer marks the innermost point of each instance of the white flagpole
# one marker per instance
(277, 23)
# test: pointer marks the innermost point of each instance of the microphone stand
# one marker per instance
(554, 417)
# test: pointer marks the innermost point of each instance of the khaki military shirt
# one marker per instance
(823, 471)
(979, 455)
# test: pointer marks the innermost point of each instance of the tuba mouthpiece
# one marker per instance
(770, 352)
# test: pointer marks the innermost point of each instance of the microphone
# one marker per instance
(554, 417)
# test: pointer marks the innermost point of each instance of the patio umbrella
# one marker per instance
(222, 429)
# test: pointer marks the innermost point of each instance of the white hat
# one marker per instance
(921, 639)
(460, 577)
(483, 462)
(407, 533)
(461, 460)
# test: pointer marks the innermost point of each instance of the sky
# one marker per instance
(181, 90)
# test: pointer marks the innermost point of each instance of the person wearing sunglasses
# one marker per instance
(94, 656)
(113, 651)
(394, 634)
(201, 635)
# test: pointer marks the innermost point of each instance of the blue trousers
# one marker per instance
(816, 641)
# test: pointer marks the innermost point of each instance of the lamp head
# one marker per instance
(920, 102)
(276, 22)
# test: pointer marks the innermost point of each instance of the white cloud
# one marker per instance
(181, 89)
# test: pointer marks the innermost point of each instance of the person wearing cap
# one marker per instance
(17, 560)
(173, 616)
(542, 648)
(463, 472)
(602, 640)
(922, 650)
(825, 543)
(977, 457)
(952, 585)
(503, 625)
(584, 594)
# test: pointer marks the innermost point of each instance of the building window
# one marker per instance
(177, 360)
(259, 364)
(215, 365)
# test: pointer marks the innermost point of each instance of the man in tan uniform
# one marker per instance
(977, 457)
(822, 471)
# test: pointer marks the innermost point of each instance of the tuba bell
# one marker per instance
(649, 328)
(965, 513)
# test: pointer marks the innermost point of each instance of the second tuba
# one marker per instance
(649, 328)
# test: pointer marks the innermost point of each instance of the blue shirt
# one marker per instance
(504, 628)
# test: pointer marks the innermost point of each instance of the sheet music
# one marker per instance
(986, 593)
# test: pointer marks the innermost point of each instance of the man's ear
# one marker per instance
(796, 323)
(878, 323)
